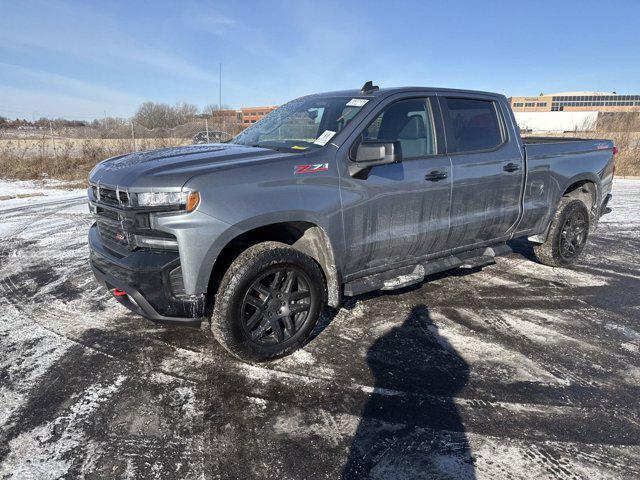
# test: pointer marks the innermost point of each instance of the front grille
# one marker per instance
(107, 213)
(110, 196)
(113, 235)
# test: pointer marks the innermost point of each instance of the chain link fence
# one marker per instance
(71, 151)
(50, 140)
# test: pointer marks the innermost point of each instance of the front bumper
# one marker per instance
(145, 277)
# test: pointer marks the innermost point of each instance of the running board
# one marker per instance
(481, 261)
(409, 275)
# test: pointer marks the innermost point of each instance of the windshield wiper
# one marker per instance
(270, 147)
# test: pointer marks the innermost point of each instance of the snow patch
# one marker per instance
(46, 451)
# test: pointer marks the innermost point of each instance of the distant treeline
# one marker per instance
(150, 115)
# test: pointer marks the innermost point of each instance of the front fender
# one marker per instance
(200, 237)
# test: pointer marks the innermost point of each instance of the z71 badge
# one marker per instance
(318, 167)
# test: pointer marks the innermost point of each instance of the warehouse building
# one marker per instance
(577, 102)
(556, 122)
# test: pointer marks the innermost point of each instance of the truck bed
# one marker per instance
(532, 140)
(558, 147)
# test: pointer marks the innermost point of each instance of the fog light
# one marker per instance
(155, 242)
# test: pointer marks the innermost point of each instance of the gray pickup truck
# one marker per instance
(335, 194)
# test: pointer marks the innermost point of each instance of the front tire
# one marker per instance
(268, 302)
(567, 234)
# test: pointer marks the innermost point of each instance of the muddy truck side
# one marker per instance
(335, 194)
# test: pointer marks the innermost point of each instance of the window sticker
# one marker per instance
(357, 102)
(324, 138)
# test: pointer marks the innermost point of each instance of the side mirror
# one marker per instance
(369, 154)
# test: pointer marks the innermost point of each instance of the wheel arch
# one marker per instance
(306, 236)
(583, 187)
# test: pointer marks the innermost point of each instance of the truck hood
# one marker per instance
(172, 167)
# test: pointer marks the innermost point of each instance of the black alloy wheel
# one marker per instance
(573, 235)
(268, 302)
(276, 305)
(567, 234)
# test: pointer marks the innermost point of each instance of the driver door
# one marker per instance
(400, 211)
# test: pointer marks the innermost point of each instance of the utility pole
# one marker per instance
(220, 104)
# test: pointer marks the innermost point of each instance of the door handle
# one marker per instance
(435, 176)
(511, 167)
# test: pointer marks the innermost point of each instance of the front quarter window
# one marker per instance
(303, 124)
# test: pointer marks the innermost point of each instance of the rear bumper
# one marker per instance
(145, 277)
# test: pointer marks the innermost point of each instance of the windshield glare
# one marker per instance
(302, 124)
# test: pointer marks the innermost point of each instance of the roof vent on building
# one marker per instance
(369, 87)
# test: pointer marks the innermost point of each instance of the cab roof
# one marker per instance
(384, 92)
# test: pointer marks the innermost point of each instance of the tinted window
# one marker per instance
(408, 122)
(472, 125)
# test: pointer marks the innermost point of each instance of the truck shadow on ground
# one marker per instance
(349, 303)
(524, 248)
(410, 427)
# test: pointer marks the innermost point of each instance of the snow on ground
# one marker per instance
(16, 193)
(514, 371)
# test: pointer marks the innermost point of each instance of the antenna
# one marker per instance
(369, 87)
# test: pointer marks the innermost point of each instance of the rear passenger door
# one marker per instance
(487, 170)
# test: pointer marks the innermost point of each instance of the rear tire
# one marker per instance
(268, 302)
(567, 234)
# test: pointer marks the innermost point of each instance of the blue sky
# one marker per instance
(83, 59)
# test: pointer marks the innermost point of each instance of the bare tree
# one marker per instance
(161, 115)
(184, 112)
(212, 109)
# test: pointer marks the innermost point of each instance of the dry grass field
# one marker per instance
(68, 158)
(628, 143)
(72, 159)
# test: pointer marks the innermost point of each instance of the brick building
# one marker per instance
(253, 114)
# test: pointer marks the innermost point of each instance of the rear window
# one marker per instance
(472, 125)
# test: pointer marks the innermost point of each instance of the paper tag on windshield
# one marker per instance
(357, 102)
(325, 137)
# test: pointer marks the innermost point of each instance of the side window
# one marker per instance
(409, 122)
(472, 125)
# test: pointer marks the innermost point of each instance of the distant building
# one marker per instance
(556, 122)
(577, 102)
(226, 115)
(253, 114)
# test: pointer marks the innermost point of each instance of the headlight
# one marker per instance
(183, 200)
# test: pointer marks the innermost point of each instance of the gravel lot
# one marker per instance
(517, 370)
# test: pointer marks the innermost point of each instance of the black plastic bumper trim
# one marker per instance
(140, 305)
(604, 209)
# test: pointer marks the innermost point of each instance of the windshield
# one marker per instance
(302, 124)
